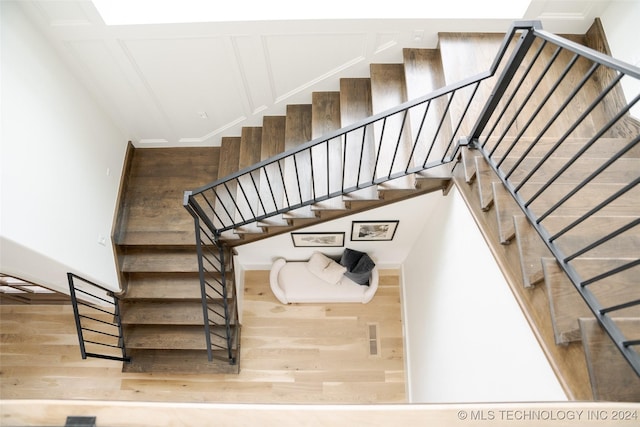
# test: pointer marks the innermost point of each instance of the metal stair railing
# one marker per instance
(527, 134)
(218, 293)
(97, 316)
(507, 121)
(226, 203)
(253, 194)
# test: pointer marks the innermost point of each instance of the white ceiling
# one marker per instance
(156, 81)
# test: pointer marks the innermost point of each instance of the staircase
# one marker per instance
(367, 145)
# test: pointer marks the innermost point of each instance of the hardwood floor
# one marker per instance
(300, 353)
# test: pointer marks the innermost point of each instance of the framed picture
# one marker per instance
(373, 230)
(318, 239)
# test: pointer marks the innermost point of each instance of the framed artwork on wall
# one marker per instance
(373, 230)
(320, 239)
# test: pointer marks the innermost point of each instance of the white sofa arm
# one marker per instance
(373, 286)
(273, 280)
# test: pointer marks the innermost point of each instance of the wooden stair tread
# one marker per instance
(603, 147)
(163, 285)
(229, 161)
(183, 362)
(355, 105)
(388, 90)
(464, 55)
(297, 173)
(166, 312)
(162, 312)
(172, 337)
(621, 171)
(532, 249)
(160, 259)
(423, 74)
(590, 196)
(612, 379)
(325, 118)
(271, 185)
(567, 306)
(247, 197)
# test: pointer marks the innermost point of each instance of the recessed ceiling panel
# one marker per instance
(138, 118)
(60, 13)
(188, 77)
(297, 62)
(254, 71)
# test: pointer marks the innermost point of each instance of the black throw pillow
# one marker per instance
(360, 271)
(350, 258)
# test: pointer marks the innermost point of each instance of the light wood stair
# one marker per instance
(586, 362)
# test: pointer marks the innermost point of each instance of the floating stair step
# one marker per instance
(485, 178)
(163, 285)
(297, 168)
(327, 158)
(190, 337)
(566, 304)
(183, 362)
(172, 337)
(612, 378)
(623, 170)
(272, 178)
(423, 74)
(603, 147)
(229, 162)
(468, 160)
(584, 200)
(532, 249)
(160, 259)
(247, 195)
(164, 312)
(355, 105)
(505, 208)
(388, 90)
(465, 55)
(592, 230)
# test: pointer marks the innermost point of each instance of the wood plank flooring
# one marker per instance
(300, 353)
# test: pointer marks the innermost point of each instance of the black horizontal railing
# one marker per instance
(565, 147)
(97, 317)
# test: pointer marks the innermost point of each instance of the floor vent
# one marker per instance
(374, 343)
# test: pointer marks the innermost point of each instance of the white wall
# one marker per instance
(61, 165)
(466, 337)
(620, 21)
